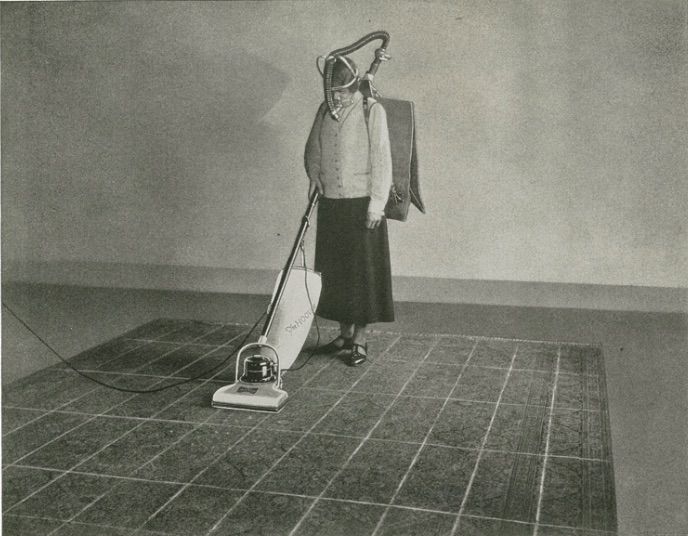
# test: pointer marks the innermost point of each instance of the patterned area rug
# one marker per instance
(437, 434)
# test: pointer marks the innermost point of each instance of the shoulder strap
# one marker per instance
(366, 109)
(366, 112)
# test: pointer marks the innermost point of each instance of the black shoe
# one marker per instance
(359, 355)
(333, 348)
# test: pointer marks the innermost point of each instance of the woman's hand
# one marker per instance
(373, 220)
(315, 185)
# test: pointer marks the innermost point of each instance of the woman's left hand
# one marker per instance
(373, 220)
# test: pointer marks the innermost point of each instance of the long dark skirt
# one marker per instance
(354, 263)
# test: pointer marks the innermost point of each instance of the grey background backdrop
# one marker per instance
(160, 144)
(552, 137)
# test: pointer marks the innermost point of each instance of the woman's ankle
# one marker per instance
(341, 341)
(360, 336)
(346, 331)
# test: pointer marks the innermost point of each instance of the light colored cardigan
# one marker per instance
(348, 161)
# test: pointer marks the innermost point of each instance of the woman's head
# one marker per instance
(344, 75)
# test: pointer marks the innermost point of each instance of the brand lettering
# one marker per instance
(296, 324)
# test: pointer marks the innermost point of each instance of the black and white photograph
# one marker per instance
(344, 268)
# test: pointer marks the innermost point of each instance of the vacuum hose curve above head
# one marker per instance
(330, 60)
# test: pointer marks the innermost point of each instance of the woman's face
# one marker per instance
(342, 98)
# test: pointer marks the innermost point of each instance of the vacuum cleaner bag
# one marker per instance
(294, 315)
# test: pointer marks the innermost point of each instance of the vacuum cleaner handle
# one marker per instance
(282, 284)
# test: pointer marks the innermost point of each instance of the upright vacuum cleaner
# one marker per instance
(288, 322)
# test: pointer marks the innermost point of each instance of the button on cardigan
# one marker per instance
(348, 161)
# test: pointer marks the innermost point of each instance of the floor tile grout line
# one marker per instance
(126, 433)
(65, 472)
(70, 402)
(99, 450)
(64, 523)
(203, 381)
(422, 397)
(486, 337)
(538, 512)
(164, 334)
(224, 453)
(70, 470)
(117, 339)
(210, 486)
(186, 485)
(149, 419)
(442, 445)
(433, 511)
(482, 447)
(149, 341)
(58, 409)
(83, 395)
(152, 417)
(491, 367)
(425, 441)
(139, 375)
(519, 452)
(366, 438)
(216, 348)
(212, 379)
(132, 374)
(303, 436)
(180, 345)
(194, 428)
(377, 364)
(454, 398)
(518, 369)
(333, 499)
(290, 449)
(63, 434)
(198, 425)
(42, 412)
(95, 416)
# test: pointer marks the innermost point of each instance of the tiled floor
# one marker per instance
(437, 435)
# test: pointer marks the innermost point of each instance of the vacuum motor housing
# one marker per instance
(259, 369)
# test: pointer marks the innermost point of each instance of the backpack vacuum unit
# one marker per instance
(288, 322)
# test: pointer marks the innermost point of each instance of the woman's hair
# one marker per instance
(343, 75)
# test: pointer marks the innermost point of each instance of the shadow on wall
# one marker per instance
(128, 112)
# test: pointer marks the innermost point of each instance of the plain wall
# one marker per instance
(552, 139)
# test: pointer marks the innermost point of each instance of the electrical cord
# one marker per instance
(125, 389)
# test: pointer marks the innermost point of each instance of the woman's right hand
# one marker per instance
(315, 185)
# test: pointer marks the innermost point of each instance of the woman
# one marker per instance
(348, 161)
